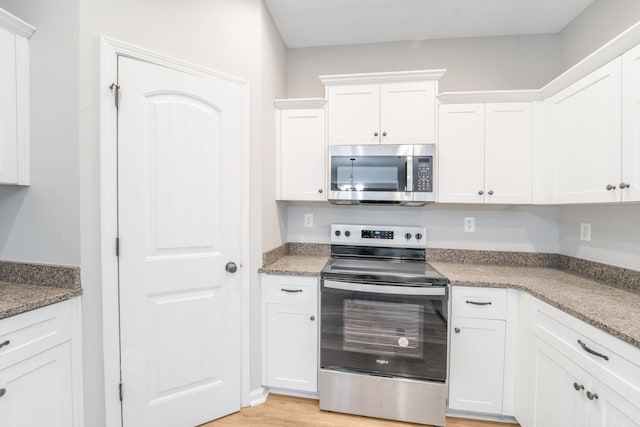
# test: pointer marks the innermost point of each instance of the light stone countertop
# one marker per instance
(611, 309)
(297, 265)
(16, 298)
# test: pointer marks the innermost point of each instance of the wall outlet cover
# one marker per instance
(469, 224)
(308, 220)
(585, 232)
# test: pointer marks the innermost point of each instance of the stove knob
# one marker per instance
(418, 236)
(337, 233)
(407, 236)
(347, 233)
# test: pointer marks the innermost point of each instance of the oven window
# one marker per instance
(368, 173)
(378, 327)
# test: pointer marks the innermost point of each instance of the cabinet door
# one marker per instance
(631, 125)
(560, 387)
(610, 409)
(407, 113)
(301, 155)
(461, 153)
(354, 114)
(38, 390)
(477, 365)
(8, 109)
(292, 346)
(586, 137)
(507, 156)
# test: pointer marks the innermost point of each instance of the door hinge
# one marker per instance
(120, 391)
(115, 88)
(117, 246)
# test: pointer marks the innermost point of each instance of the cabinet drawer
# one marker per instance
(290, 289)
(479, 303)
(616, 363)
(30, 333)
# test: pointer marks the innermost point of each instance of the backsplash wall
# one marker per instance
(499, 228)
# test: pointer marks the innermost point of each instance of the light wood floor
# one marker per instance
(287, 411)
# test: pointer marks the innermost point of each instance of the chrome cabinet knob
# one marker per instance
(320, 190)
(384, 134)
(375, 134)
(490, 192)
(480, 192)
(457, 330)
(231, 267)
(592, 396)
(610, 187)
(312, 318)
(578, 387)
(624, 185)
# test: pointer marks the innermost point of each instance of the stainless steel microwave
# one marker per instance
(382, 174)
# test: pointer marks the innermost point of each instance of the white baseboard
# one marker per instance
(258, 396)
(295, 393)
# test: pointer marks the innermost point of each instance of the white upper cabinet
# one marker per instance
(300, 149)
(630, 183)
(14, 99)
(382, 108)
(485, 153)
(585, 138)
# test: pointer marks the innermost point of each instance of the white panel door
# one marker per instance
(302, 148)
(461, 153)
(37, 391)
(560, 386)
(179, 192)
(8, 109)
(507, 156)
(354, 114)
(407, 112)
(292, 346)
(630, 126)
(477, 365)
(586, 136)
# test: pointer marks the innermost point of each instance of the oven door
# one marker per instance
(371, 173)
(387, 330)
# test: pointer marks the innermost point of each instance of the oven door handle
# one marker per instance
(385, 289)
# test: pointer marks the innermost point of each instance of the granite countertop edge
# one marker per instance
(34, 298)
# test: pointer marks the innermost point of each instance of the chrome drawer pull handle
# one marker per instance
(4, 344)
(588, 350)
(291, 291)
(478, 303)
(3, 391)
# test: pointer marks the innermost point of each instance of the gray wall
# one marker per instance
(500, 228)
(595, 26)
(41, 223)
(488, 63)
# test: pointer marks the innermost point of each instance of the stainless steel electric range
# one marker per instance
(384, 326)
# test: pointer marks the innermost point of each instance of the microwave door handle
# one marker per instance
(408, 173)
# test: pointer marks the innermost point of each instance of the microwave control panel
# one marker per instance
(423, 174)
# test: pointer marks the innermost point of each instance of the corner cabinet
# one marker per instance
(290, 333)
(481, 369)
(40, 367)
(485, 153)
(300, 149)
(572, 374)
(382, 108)
(14, 99)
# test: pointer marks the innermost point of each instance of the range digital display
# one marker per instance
(377, 234)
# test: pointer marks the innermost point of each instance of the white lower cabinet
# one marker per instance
(562, 384)
(38, 390)
(40, 367)
(477, 365)
(481, 368)
(290, 328)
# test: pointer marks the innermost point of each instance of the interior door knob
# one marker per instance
(231, 267)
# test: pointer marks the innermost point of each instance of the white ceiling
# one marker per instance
(305, 23)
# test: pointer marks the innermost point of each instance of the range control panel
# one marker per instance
(378, 235)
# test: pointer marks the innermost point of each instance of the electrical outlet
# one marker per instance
(469, 224)
(585, 232)
(308, 220)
